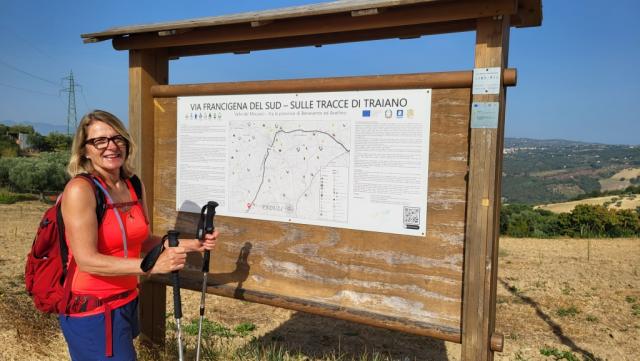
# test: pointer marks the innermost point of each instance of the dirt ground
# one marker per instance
(555, 296)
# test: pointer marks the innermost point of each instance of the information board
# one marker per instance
(356, 159)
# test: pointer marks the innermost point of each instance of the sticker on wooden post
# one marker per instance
(486, 81)
(485, 115)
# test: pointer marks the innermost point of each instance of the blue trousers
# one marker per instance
(86, 339)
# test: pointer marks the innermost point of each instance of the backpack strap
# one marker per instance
(137, 186)
(64, 248)
(101, 205)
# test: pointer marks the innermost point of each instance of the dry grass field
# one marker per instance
(620, 180)
(612, 202)
(568, 299)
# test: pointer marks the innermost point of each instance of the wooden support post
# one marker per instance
(483, 203)
(147, 68)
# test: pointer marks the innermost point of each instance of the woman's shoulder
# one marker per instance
(79, 188)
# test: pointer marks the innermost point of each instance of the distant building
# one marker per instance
(23, 141)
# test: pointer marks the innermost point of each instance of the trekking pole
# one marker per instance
(177, 304)
(206, 217)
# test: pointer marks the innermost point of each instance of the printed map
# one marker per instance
(296, 169)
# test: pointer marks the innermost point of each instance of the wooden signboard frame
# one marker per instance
(474, 168)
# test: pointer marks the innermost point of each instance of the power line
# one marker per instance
(28, 90)
(84, 98)
(27, 73)
(30, 43)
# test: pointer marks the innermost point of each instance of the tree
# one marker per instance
(21, 128)
(589, 220)
(39, 142)
(40, 174)
(627, 225)
(8, 147)
(58, 141)
(5, 165)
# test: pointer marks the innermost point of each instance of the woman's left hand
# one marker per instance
(209, 241)
(207, 244)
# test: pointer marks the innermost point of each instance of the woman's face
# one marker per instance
(105, 147)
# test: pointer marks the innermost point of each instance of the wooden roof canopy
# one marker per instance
(317, 24)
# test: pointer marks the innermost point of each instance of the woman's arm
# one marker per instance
(81, 225)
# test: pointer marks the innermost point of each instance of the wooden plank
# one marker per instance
(425, 13)
(258, 16)
(380, 279)
(444, 80)
(401, 32)
(483, 203)
(529, 14)
(147, 68)
(152, 314)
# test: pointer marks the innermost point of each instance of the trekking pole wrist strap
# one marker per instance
(151, 257)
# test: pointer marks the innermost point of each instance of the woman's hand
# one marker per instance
(171, 259)
(195, 245)
(209, 241)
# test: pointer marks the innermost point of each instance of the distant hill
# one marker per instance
(42, 128)
(551, 171)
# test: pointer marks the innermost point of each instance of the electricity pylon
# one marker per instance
(71, 105)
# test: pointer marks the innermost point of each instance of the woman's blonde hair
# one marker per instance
(79, 163)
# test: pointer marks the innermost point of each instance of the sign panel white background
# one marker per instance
(355, 159)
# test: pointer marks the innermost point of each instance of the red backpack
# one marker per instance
(46, 268)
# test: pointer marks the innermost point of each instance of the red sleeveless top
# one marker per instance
(110, 242)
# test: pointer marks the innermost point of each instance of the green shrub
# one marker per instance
(44, 173)
(557, 354)
(583, 221)
(567, 312)
(7, 197)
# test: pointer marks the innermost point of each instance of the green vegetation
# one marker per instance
(52, 142)
(549, 171)
(39, 169)
(567, 312)
(245, 328)
(635, 306)
(592, 318)
(583, 221)
(218, 344)
(38, 174)
(210, 328)
(8, 197)
(557, 354)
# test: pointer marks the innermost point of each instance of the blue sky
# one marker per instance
(578, 75)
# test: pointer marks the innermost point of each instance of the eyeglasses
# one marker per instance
(101, 143)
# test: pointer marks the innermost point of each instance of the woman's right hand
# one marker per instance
(171, 259)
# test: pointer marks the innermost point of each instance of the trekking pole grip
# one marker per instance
(177, 304)
(208, 229)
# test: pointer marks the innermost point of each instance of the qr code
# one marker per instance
(411, 217)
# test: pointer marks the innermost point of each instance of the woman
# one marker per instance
(108, 262)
